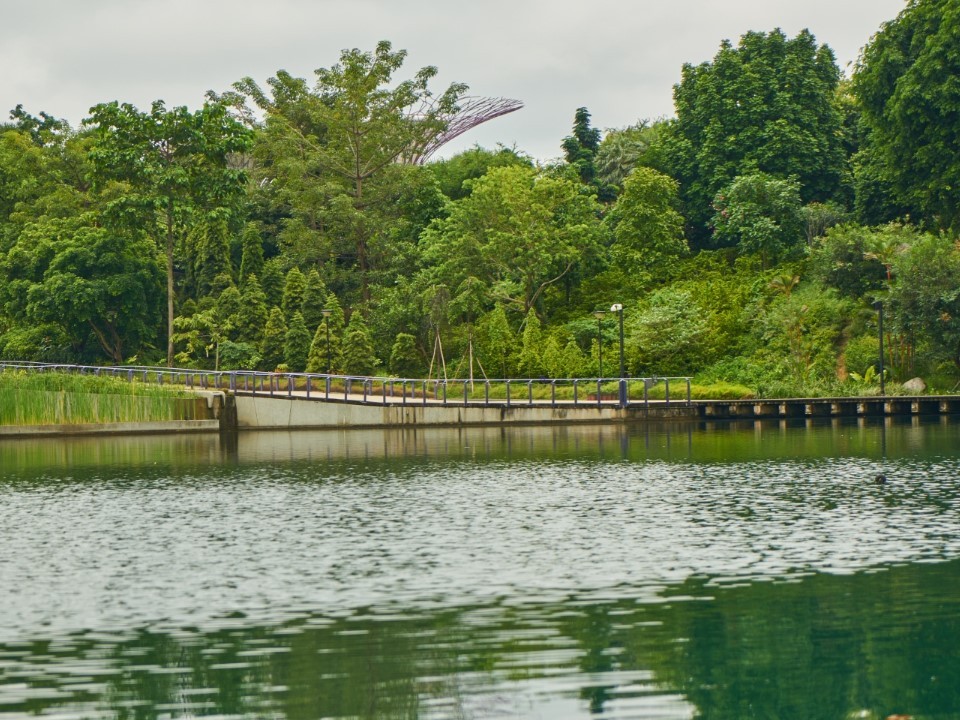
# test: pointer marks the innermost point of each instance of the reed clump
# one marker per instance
(67, 399)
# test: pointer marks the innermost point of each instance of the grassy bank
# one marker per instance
(61, 399)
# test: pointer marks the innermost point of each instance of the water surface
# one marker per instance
(753, 570)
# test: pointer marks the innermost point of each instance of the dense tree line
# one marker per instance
(289, 226)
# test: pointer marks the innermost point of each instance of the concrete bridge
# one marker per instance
(242, 400)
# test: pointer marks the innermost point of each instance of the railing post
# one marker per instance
(424, 393)
(529, 392)
(346, 388)
(308, 387)
(553, 393)
(623, 392)
(688, 391)
(444, 392)
(666, 390)
(403, 392)
(365, 381)
(599, 391)
(327, 388)
(466, 393)
(575, 392)
(486, 392)
(646, 392)
(508, 393)
(383, 390)
(289, 386)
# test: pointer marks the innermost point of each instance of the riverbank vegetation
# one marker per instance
(750, 239)
(58, 398)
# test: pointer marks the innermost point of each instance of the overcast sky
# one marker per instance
(619, 58)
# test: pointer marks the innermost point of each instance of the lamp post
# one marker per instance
(878, 306)
(326, 322)
(599, 316)
(618, 308)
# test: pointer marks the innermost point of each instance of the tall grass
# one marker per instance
(62, 399)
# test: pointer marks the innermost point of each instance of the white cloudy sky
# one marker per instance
(619, 58)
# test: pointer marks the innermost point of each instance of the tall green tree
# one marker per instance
(332, 149)
(273, 346)
(519, 233)
(760, 214)
(359, 356)
(296, 348)
(85, 278)
(173, 163)
(294, 288)
(906, 83)
(647, 228)
(767, 105)
(251, 261)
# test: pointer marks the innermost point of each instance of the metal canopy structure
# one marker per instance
(472, 111)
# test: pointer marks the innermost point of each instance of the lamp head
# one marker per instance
(616, 307)
(326, 313)
(598, 314)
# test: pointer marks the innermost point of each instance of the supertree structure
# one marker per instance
(470, 112)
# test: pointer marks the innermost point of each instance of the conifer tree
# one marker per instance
(359, 357)
(293, 289)
(552, 358)
(251, 262)
(274, 340)
(531, 364)
(253, 314)
(404, 361)
(297, 344)
(574, 361)
(317, 361)
(314, 300)
(212, 253)
(272, 282)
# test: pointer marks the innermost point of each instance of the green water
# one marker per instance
(743, 571)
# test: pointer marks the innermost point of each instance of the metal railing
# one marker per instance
(512, 392)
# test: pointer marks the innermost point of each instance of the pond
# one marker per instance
(755, 570)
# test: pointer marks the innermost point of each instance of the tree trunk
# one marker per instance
(169, 253)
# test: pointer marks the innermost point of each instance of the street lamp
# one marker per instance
(618, 308)
(326, 322)
(599, 316)
(878, 306)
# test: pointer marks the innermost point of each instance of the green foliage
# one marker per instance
(86, 279)
(351, 129)
(767, 106)
(173, 163)
(253, 315)
(359, 357)
(761, 214)
(666, 336)
(454, 174)
(862, 354)
(251, 262)
(924, 300)
(519, 232)
(405, 361)
(294, 287)
(296, 347)
(496, 343)
(272, 282)
(530, 362)
(623, 150)
(840, 260)
(314, 300)
(647, 228)
(273, 345)
(58, 398)
(905, 81)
